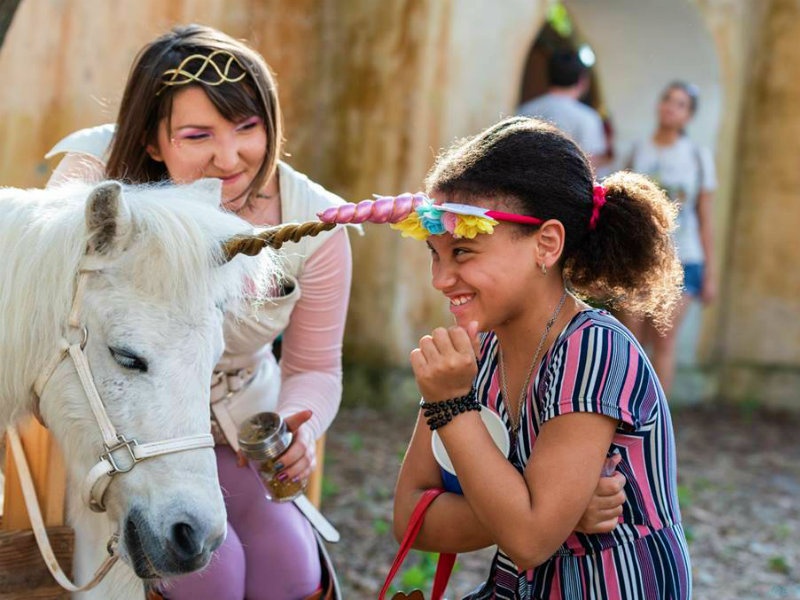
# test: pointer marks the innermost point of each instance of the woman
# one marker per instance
(686, 173)
(201, 104)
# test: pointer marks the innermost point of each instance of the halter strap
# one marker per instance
(120, 455)
(40, 531)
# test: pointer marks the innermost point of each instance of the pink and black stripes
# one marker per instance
(597, 366)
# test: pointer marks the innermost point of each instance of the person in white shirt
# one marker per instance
(568, 79)
(686, 173)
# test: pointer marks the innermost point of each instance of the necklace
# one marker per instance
(515, 420)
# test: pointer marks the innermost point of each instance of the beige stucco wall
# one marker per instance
(371, 91)
(760, 339)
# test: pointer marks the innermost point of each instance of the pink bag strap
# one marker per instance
(446, 561)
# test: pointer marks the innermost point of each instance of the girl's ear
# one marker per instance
(551, 237)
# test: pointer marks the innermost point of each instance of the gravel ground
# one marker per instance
(739, 484)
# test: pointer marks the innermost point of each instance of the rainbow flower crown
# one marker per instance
(417, 216)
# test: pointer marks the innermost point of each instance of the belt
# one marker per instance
(224, 384)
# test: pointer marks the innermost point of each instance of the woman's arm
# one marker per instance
(705, 219)
(311, 351)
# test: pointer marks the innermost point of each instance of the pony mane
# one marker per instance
(173, 256)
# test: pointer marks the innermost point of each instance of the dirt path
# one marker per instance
(739, 476)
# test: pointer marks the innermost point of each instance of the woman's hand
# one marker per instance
(605, 507)
(708, 292)
(300, 458)
(444, 364)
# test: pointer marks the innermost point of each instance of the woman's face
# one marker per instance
(487, 279)
(675, 109)
(202, 143)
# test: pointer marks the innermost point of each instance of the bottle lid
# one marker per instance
(264, 435)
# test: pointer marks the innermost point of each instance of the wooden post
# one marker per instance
(314, 489)
(49, 479)
(23, 574)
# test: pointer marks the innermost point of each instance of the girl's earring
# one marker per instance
(544, 269)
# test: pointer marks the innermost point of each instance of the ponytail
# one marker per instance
(629, 260)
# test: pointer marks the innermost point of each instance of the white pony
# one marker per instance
(154, 313)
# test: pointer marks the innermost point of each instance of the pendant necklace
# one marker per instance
(515, 420)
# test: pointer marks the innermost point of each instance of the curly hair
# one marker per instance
(628, 261)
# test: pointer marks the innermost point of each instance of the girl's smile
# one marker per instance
(485, 279)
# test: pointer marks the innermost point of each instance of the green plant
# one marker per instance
(558, 18)
(355, 442)
(782, 532)
(684, 496)
(420, 574)
(329, 488)
(380, 526)
(778, 564)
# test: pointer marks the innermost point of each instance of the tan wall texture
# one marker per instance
(372, 89)
(760, 337)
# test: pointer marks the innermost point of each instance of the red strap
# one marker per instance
(446, 561)
(443, 570)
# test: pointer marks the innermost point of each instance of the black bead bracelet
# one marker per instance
(439, 414)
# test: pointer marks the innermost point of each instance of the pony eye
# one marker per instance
(128, 360)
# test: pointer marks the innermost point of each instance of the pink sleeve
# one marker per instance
(311, 352)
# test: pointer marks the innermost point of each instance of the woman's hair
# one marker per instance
(687, 88)
(147, 100)
(628, 260)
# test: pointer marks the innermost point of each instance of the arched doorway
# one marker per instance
(640, 46)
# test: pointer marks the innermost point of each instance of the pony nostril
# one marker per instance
(186, 540)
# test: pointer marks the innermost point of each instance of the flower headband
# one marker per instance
(416, 216)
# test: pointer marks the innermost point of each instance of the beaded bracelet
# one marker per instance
(441, 413)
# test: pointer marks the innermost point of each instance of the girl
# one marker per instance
(686, 172)
(571, 384)
(201, 104)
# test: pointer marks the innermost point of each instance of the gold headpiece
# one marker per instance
(181, 76)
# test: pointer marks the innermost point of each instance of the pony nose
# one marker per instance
(190, 541)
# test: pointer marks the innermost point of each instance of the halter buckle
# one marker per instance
(108, 455)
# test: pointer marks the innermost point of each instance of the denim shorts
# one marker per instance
(693, 279)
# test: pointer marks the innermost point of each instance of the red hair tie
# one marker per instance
(598, 201)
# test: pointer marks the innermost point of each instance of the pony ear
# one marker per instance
(207, 190)
(108, 218)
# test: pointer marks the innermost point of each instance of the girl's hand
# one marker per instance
(605, 507)
(445, 363)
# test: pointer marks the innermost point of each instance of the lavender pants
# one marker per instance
(270, 552)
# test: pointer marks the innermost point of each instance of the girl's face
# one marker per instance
(489, 279)
(202, 143)
(675, 109)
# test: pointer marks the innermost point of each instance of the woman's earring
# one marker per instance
(544, 269)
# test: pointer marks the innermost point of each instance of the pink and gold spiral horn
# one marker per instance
(384, 209)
